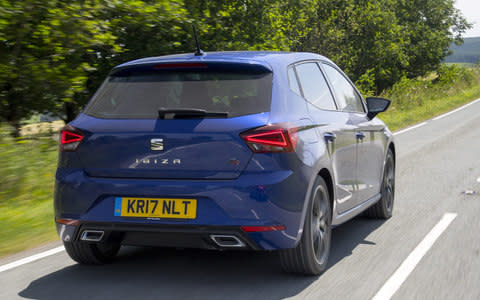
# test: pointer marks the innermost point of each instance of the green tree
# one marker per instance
(141, 29)
(432, 26)
(251, 24)
(45, 47)
(377, 42)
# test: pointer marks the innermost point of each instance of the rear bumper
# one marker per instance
(223, 206)
(182, 236)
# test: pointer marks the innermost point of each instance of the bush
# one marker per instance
(408, 92)
(449, 75)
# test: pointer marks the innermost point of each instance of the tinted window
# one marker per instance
(292, 80)
(139, 94)
(314, 86)
(346, 95)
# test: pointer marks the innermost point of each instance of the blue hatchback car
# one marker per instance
(223, 150)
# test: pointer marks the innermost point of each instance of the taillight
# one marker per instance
(271, 138)
(70, 138)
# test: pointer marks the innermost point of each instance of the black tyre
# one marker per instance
(384, 207)
(310, 257)
(91, 253)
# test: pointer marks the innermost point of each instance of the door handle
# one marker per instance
(360, 135)
(330, 137)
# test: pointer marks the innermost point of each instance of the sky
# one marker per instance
(471, 11)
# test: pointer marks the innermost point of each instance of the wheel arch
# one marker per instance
(391, 146)
(327, 177)
(326, 174)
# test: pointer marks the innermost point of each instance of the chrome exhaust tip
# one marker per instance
(92, 235)
(227, 241)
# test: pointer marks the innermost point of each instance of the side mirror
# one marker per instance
(376, 105)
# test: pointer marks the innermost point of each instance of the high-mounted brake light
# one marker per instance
(271, 138)
(70, 138)
(180, 65)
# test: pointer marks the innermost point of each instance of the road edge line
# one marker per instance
(30, 259)
(391, 286)
(455, 110)
(410, 128)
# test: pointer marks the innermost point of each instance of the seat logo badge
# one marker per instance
(156, 144)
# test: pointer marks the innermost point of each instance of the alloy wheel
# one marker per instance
(320, 225)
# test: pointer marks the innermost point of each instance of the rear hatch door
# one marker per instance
(174, 121)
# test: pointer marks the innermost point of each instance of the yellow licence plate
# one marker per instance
(155, 208)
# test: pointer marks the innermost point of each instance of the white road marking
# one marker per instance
(409, 264)
(410, 128)
(455, 110)
(29, 259)
(478, 179)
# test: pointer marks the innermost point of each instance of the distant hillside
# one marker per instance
(469, 52)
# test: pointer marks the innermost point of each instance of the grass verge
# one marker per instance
(27, 165)
(397, 119)
(27, 170)
(417, 100)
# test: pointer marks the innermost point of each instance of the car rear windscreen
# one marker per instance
(141, 93)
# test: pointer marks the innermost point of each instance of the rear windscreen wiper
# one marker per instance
(184, 113)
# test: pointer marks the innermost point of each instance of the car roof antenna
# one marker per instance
(198, 51)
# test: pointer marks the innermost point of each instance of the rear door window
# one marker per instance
(141, 93)
(315, 88)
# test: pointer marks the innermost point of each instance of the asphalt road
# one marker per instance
(436, 163)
